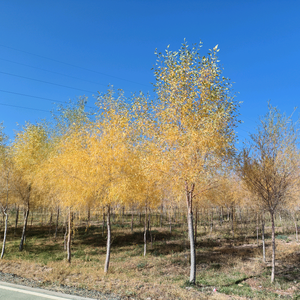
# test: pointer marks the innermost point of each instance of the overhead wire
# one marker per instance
(47, 82)
(23, 107)
(53, 72)
(37, 97)
(68, 64)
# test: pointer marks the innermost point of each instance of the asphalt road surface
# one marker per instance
(9, 291)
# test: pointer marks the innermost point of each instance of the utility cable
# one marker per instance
(37, 97)
(53, 72)
(38, 80)
(68, 64)
(17, 106)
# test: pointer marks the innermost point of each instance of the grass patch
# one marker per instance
(232, 266)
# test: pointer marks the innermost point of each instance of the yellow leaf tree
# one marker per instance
(195, 117)
(29, 149)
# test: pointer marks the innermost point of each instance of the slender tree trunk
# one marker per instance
(282, 229)
(189, 200)
(228, 214)
(232, 221)
(161, 215)
(42, 217)
(273, 247)
(296, 227)
(204, 222)
(5, 231)
(211, 220)
(145, 233)
(24, 229)
(149, 228)
(241, 218)
(108, 244)
(170, 222)
(132, 220)
(6, 217)
(69, 237)
(221, 216)
(17, 218)
(50, 222)
(257, 225)
(88, 219)
(31, 221)
(56, 225)
(196, 225)
(103, 223)
(263, 235)
(66, 233)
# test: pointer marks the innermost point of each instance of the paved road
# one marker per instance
(9, 291)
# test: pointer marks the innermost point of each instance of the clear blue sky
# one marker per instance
(81, 47)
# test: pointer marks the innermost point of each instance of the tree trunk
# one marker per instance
(296, 228)
(65, 234)
(132, 221)
(88, 219)
(31, 221)
(108, 241)
(149, 228)
(189, 200)
(211, 220)
(56, 225)
(145, 233)
(50, 222)
(24, 229)
(170, 222)
(196, 224)
(5, 231)
(69, 237)
(257, 224)
(263, 235)
(161, 215)
(42, 217)
(103, 223)
(232, 220)
(273, 247)
(221, 216)
(17, 218)
(241, 218)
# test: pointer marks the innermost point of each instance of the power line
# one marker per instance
(38, 80)
(17, 106)
(68, 64)
(53, 72)
(36, 97)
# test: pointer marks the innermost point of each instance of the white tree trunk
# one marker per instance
(273, 248)
(263, 236)
(108, 241)
(5, 232)
(145, 233)
(69, 238)
(189, 199)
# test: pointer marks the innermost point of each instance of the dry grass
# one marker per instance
(233, 267)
